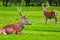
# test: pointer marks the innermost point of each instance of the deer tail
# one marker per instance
(56, 12)
(2, 31)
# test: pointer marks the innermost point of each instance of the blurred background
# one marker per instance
(29, 2)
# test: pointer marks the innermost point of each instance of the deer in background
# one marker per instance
(49, 15)
(16, 28)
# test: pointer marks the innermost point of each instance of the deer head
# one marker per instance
(24, 18)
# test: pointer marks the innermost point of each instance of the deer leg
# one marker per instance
(10, 31)
(46, 20)
(19, 33)
(50, 20)
(55, 20)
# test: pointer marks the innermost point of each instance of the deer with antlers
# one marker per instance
(49, 15)
(16, 28)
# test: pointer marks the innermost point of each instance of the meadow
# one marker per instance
(37, 31)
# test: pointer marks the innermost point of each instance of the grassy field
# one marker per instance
(37, 31)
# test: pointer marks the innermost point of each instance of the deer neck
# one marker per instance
(21, 25)
(45, 11)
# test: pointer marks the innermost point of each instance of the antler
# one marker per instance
(19, 11)
(42, 5)
(44, 8)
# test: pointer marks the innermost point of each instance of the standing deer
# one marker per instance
(16, 28)
(49, 15)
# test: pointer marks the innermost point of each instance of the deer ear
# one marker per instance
(24, 17)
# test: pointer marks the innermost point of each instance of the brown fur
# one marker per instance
(49, 15)
(16, 28)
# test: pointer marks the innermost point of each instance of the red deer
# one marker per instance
(49, 15)
(16, 28)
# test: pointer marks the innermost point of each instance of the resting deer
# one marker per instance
(49, 15)
(16, 28)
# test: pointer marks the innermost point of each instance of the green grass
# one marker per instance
(37, 31)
